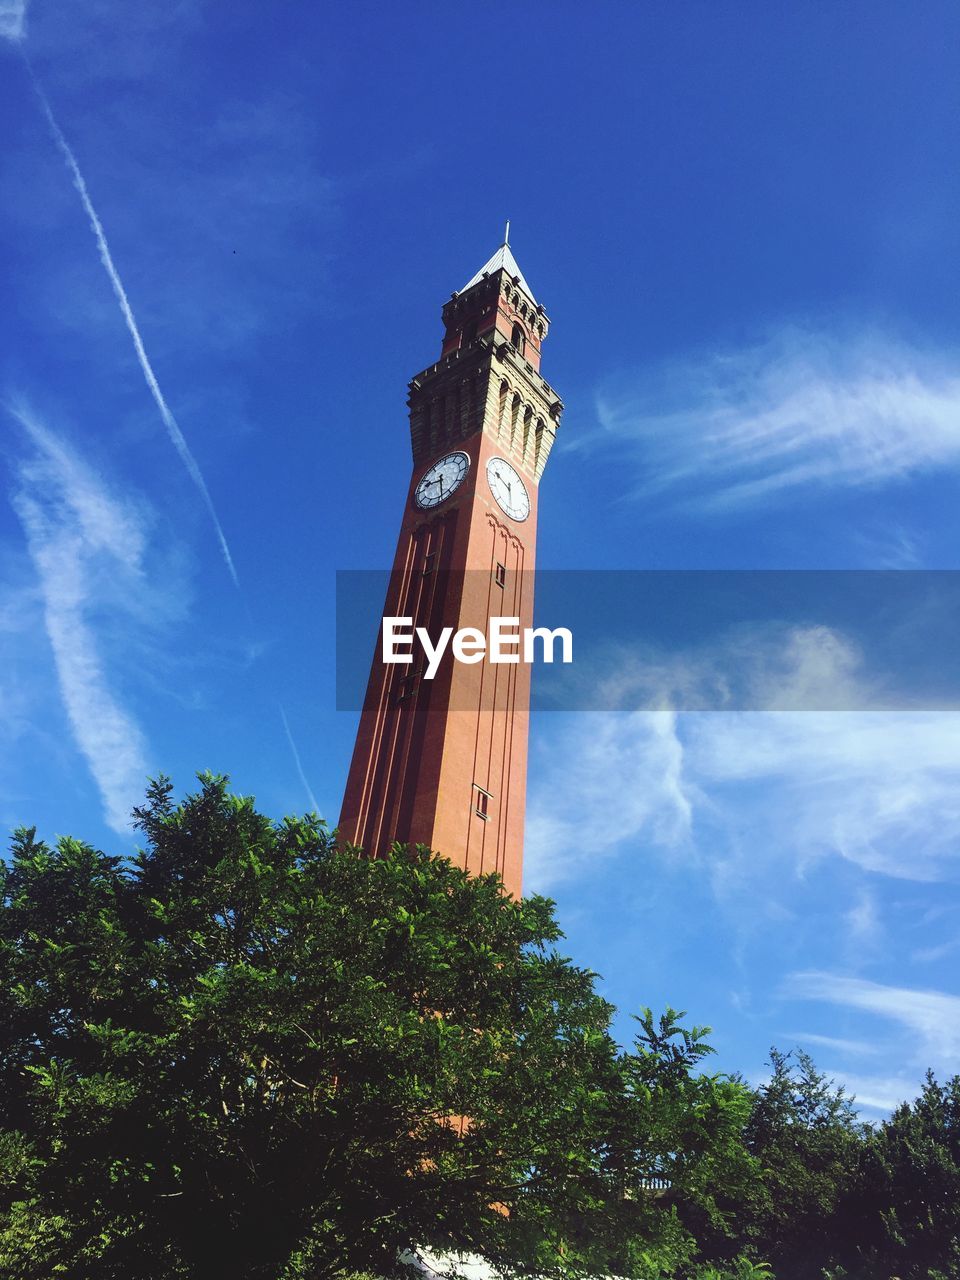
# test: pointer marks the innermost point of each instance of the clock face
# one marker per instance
(508, 489)
(440, 480)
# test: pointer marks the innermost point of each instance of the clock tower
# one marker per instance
(443, 762)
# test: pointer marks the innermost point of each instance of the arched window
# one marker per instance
(518, 338)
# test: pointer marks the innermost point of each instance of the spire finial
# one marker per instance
(506, 234)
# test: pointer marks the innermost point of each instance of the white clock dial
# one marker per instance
(439, 481)
(508, 489)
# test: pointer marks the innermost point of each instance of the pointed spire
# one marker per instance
(502, 260)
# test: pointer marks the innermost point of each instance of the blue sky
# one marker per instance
(743, 223)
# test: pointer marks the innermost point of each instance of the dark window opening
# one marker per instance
(481, 802)
(429, 562)
(518, 339)
(407, 686)
(500, 575)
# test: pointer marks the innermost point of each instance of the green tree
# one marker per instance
(244, 1053)
(902, 1218)
(804, 1132)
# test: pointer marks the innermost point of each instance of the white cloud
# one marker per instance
(803, 410)
(838, 1043)
(862, 920)
(931, 1017)
(891, 546)
(801, 823)
(768, 789)
(879, 789)
(881, 1093)
(13, 17)
(609, 779)
(928, 955)
(87, 546)
(767, 666)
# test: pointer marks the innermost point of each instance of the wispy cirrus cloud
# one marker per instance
(87, 546)
(606, 780)
(876, 1092)
(838, 1043)
(931, 1017)
(13, 18)
(824, 835)
(806, 409)
(877, 789)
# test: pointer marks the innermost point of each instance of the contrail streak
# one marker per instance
(296, 756)
(169, 421)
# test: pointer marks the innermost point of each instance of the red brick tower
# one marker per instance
(444, 762)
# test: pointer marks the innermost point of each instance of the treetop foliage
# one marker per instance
(245, 1051)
